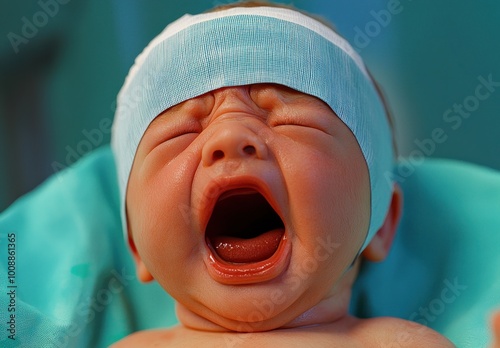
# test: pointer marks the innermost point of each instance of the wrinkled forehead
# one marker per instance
(258, 94)
(244, 46)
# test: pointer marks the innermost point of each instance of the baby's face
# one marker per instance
(248, 203)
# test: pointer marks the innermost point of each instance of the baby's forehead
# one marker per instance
(262, 95)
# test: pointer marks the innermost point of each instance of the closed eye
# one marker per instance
(299, 123)
(176, 130)
(181, 134)
(171, 146)
(167, 127)
(170, 137)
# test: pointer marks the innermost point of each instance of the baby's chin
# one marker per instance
(244, 310)
(263, 307)
(254, 320)
(261, 316)
(217, 322)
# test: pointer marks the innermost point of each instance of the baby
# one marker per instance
(251, 147)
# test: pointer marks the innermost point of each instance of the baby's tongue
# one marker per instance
(241, 250)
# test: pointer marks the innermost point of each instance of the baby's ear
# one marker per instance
(381, 243)
(140, 268)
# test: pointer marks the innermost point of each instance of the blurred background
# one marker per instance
(62, 63)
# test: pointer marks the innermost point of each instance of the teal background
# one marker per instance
(57, 93)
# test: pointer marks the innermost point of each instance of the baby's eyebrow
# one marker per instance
(291, 97)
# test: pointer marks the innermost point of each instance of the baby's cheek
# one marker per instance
(166, 236)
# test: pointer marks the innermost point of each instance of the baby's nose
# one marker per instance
(233, 141)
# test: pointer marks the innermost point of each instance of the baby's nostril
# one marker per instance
(249, 150)
(217, 155)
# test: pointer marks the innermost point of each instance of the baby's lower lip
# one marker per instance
(250, 272)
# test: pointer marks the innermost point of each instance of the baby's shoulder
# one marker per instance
(146, 338)
(394, 332)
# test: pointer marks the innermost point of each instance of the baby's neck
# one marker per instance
(330, 310)
(322, 313)
(333, 308)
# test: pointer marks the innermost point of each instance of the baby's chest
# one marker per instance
(292, 339)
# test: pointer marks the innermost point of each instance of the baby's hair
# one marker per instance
(326, 22)
(244, 3)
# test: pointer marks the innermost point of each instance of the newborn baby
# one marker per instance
(252, 150)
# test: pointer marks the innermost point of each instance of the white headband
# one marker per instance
(241, 46)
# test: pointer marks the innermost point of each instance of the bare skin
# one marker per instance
(348, 332)
(495, 328)
(292, 149)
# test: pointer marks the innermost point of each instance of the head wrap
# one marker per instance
(241, 46)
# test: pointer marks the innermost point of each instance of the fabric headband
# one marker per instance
(241, 46)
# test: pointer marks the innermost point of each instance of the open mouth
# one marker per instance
(244, 228)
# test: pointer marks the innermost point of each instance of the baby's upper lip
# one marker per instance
(221, 188)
